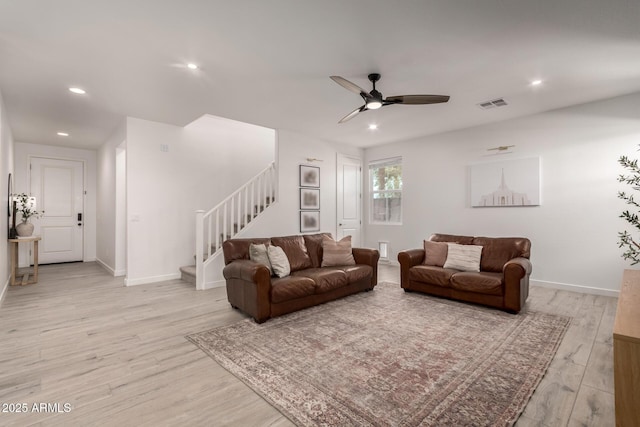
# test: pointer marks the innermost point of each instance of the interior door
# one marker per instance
(349, 194)
(58, 186)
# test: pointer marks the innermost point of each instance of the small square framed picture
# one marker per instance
(309, 221)
(309, 176)
(309, 198)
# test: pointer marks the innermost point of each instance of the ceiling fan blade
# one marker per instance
(416, 99)
(350, 86)
(352, 114)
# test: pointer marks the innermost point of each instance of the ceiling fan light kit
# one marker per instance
(374, 99)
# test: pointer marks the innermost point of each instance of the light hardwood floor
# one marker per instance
(118, 356)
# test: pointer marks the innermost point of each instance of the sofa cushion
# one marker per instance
(313, 242)
(435, 253)
(498, 250)
(482, 282)
(357, 272)
(296, 251)
(258, 253)
(279, 261)
(337, 253)
(431, 275)
(326, 278)
(461, 240)
(234, 249)
(463, 257)
(291, 287)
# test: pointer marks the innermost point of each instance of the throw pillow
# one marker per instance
(336, 253)
(296, 251)
(435, 253)
(463, 257)
(258, 253)
(279, 261)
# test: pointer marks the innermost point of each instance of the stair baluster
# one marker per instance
(230, 217)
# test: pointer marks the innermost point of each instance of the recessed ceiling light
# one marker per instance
(536, 82)
(373, 126)
(63, 134)
(192, 66)
(77, 90)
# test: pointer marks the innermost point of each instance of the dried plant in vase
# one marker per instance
(26, 206)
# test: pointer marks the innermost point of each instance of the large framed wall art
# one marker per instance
(507, 183)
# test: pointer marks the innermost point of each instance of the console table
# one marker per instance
(14, 260)
(626, 351)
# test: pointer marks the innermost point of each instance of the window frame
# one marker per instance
(374, 165)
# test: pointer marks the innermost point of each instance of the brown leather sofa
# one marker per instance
(503, 280)
(251, 289)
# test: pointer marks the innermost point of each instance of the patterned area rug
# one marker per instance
(390, 358)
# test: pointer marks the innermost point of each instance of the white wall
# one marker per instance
(172, 172)
(283, 218)
(6, 167)
(121, 211)
(293, 151)
(106, 200)
(22, 154)
(573, 232)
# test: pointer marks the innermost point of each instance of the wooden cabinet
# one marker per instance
(626, 351)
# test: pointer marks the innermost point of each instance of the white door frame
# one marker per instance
(360, 190)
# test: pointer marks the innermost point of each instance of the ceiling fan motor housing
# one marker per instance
(375, 94)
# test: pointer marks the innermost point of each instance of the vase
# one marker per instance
(24, 229)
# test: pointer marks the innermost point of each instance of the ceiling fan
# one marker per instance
(374, 100)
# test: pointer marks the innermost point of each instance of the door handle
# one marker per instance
(79, 219)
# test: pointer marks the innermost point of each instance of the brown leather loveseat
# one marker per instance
(502, 282)
(252, 289)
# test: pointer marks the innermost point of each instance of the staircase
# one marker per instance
(227, 219)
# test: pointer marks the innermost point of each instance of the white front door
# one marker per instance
(349, 203)
(59, 191)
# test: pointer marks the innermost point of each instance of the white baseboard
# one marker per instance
(114, 273)
(575, 288)
(3, 293)
(105, 266)
(151, 279)
(215, 284)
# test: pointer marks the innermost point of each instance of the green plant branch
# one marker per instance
(625, 240)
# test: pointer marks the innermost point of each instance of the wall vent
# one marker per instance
(499, 102)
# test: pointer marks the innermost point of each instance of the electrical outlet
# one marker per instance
(164, 148)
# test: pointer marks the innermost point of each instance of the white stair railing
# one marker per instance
(230, 216)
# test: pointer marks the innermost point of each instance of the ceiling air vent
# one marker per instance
(499, 102)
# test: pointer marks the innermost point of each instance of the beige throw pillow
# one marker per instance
(279, 261)
(336, 253)
(258, 253)
(435, 253)
(463, 257)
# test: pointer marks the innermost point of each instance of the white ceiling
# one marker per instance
(269, 62)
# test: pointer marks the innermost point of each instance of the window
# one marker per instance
(385, 179)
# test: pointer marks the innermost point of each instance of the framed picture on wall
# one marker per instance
(309, 221)
(309, 176)
(514, 182)
(309, 198)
